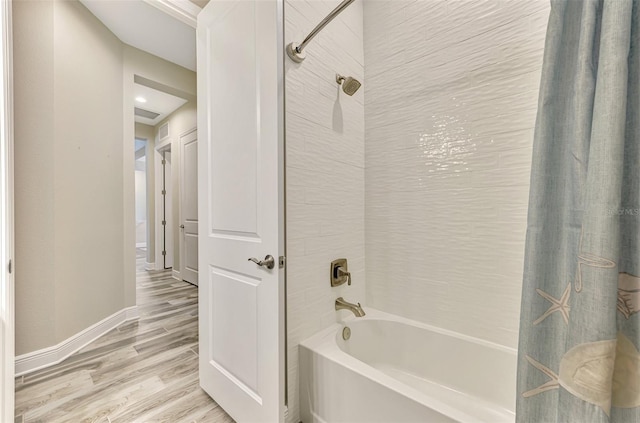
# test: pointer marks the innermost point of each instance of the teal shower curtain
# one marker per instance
(578, 358)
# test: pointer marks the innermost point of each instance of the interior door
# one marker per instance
(7, 327)
(189, 191)
(240, 131)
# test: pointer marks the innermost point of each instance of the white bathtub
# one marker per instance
(397, 370)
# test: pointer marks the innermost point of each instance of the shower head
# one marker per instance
(349, 85)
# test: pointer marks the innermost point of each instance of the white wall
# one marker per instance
(451, 90)
(325, 173)
(69, 233)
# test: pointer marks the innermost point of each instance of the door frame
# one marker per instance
(7, 313)
(161, 206)
(157, 209)
(282, 200)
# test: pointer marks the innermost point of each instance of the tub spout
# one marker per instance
(356, 309)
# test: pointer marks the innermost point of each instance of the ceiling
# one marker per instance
(142, 24)
(157, 101)
(164, 28)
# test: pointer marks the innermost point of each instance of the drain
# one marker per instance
(346, 333)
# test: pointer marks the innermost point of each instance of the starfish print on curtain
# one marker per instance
(552, 383)
(561, 305)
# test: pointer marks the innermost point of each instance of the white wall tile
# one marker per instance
(451, 95)
(325, 173)
(440, 188)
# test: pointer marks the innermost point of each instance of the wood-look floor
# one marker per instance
(143, 371)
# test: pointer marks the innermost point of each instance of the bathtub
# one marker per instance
(396, 370)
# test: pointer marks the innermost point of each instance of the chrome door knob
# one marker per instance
(181, 226)
(269, 262)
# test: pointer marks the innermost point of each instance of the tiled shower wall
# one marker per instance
(325, 173)
(451, 94)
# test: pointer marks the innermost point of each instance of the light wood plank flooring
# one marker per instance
(143, 371)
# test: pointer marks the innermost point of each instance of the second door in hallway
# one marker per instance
(189, 190)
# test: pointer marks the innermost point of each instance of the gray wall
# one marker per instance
(74, 168)
(69, 172)
(34, 169)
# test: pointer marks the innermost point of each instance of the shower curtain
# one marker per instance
(578, 358)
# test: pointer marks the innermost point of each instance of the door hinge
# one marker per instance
(164, 223)
(164, 162)
(164, 192)
(282, 261)
(10, 266)
(164, 253)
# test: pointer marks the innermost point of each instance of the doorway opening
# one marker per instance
(162, 115)
(141, 197)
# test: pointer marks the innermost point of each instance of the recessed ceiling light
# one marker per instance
(141, 99)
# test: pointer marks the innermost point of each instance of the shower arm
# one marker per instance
(295, 51)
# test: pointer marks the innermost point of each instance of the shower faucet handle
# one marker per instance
(342, 272)
(339, 272)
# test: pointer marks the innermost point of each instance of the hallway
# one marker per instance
(143, 371)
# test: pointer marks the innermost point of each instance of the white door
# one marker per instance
(189, 206)
(6, 219)
(240, 201)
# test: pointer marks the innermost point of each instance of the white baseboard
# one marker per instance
(176, 274)
(141, 245)
(149, 266)
(36, 360)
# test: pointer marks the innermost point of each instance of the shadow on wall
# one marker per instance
(338, 119)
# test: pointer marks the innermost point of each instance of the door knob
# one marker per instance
(181, 226)
(269, 262)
